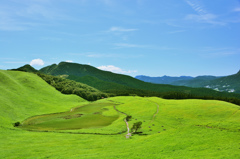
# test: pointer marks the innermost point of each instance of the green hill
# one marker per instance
(67, 86)
(110, 82)
(25, 94)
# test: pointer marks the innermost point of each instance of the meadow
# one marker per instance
(171, 128)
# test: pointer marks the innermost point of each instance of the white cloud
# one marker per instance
(37, 62)
(115, 69)
(120, 29)
(69, 61)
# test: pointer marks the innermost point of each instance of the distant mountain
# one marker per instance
(199, 81)
(228, 83)
(163, 79)
(223, 84)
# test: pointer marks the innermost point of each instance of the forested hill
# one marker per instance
(104, 80)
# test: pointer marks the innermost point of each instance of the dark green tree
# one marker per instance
(128, 118)
(136, 126)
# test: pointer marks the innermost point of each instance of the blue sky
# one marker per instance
(134, 37)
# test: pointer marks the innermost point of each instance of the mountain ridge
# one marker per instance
(228, 83)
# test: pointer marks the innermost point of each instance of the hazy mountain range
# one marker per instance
(229, 83)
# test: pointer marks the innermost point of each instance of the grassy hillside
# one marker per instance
(25, 94)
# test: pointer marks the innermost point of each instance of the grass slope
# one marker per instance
(25, 94)
(179, 129)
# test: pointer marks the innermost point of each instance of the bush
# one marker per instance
(16, 124)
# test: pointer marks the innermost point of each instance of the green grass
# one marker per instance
(24, 94)
(188, 128)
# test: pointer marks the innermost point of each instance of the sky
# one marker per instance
(133, 37)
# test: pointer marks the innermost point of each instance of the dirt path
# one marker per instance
(128, 130)
(154, 115)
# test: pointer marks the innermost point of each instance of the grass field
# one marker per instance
(180, 129)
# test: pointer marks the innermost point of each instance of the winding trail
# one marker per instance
(125, 120)
(154, 115)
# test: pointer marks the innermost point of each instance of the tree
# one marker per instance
(128, 118)
(136, 126)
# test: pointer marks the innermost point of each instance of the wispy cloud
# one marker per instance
(22, 15)
(202, 15)
(115, 69)
(127, 45)
(152, 47)
(120, 29)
